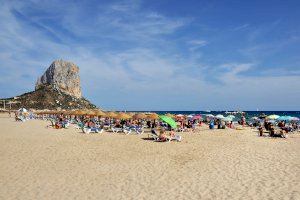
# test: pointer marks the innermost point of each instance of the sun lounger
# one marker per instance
(177, 138)
(92, 130)
(80, 125)
(137, 129)
(153, 134)
(127, 130)
(116, 130)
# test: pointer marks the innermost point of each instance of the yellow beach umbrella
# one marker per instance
(79, 112)
(99, 113)
(153, 116)
(139, 116)
(111, 114)
(122, 115)
(170, 115)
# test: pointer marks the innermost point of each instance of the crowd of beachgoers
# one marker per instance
(160, 127)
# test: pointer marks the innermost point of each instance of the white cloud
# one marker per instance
(196, 44)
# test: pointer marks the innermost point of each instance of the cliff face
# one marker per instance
(57, 88)
(63, 76)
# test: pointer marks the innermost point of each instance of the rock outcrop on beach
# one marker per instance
(57, 88)
(62, 75)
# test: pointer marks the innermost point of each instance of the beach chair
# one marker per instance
(137, 129)
(127, 130)
(92, 130)
(153, 134)
(177, 138)
(65, 124)
(116, 130)
(52, 123)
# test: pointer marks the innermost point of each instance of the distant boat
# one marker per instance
(207, 111)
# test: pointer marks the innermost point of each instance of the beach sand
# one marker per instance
(41, 163)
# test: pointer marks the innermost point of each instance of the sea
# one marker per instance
(248, 114)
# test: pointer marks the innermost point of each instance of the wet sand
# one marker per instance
(41, 163)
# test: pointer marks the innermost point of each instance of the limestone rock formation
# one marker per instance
(58, 88)
(61, 75)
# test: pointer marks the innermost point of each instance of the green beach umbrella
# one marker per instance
(168, 120)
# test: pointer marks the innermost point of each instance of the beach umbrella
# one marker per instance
(139, 116)
(284, 118)
(110, 114)
(90, 112)
(67, 112)
(272, 121)
(190, 116)
(168, 120)
(130, 113)
(273, 117)
(79, 112)
(226, 119)
(179, 117)
(53, 112)
(153, 116)
(122, 115)
(295, 119)
(169, 115)
(196, 117)
(210, 116)
(99, 113)
(219, 116)
(254, 118)
(262, 116)
(231, 116)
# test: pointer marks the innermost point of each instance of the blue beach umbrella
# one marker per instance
(284, 118)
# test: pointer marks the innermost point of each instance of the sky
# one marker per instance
(158, 54)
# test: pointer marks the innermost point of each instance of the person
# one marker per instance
(218, 123)
(243, 120)
(212, 124)
(222, 124)
(272, 130)
(58, 125)
(280, 124)
(149, 124)
(162, 136)
(266, 125)
(231, 125)
(260, 130)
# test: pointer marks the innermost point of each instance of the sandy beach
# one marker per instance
(44, 163)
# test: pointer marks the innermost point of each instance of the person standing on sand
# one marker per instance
(243, 120)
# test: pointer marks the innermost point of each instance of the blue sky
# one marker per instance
(159, 54)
